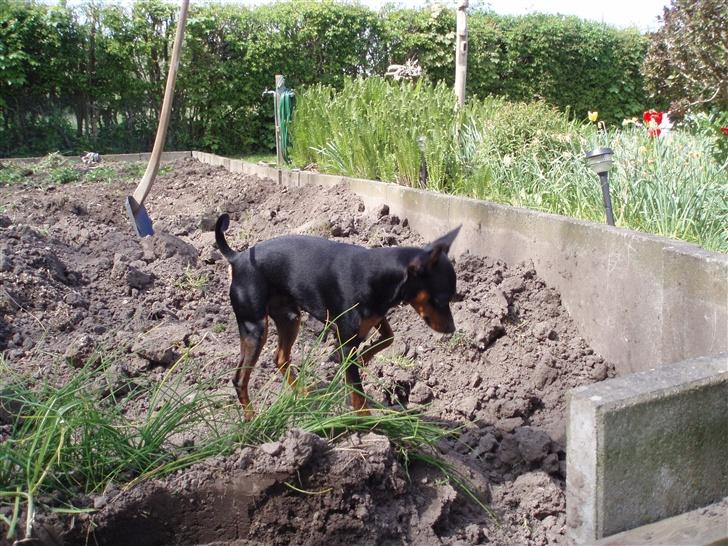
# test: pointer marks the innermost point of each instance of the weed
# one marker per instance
(52, 161)
(135, 169)
(64, 175)
(11, 174)
(376, 239)
(457, 341)
(401, 361)
(191, 280)
(522, 154)
(244, 233)
(101, 174)
(219, 327)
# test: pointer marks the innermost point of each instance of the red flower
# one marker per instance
(724, 130)
(653, 132)
(652, 116)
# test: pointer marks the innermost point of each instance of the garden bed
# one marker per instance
(76, 283)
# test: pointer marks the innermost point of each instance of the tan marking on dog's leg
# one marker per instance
(250, 348)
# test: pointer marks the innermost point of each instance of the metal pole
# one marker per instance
(604, 180)
(461, 51)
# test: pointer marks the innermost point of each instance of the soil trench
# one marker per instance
(74, 278)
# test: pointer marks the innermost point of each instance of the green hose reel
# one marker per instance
(283, 109)
(285, 115)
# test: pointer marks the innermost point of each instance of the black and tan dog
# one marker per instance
(352, 286)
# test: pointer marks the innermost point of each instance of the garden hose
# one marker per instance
(285, 113)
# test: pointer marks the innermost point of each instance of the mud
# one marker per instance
(74, 278)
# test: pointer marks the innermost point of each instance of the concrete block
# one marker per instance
(646, 446)
(695, 291)
(326, 180)
(236, 166)
(703, 527)
(290, 179)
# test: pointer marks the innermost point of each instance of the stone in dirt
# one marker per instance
(533, 444)
(543, 496)
(162, 246)
(79, 351)
(163, 344)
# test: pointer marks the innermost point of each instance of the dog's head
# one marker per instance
(431, 284)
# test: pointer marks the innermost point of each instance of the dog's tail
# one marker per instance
(220, 227)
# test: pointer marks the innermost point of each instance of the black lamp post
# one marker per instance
(600, 161)
(421, 143)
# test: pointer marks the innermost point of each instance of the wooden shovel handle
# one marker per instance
(140, 194)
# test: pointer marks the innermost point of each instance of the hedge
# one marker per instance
(92, 77)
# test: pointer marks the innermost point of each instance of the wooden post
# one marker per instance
(280, 84)
(461, 51)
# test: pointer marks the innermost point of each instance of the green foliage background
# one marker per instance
(92, 77)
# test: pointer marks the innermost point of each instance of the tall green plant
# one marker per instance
(523, 154)
(375, 129)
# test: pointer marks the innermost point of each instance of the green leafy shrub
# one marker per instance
(573, 64)
(688, 55)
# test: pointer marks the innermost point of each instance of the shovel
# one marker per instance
(134, 203)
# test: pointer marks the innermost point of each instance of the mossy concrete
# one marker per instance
(647, 446)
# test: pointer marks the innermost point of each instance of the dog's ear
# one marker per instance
(432, 252)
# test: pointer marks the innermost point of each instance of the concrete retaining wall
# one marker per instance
(647, 446)
(640, 301)
(141, 156)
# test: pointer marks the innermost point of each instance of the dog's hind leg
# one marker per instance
(349, 355)
(353, 380)
(288, 321)
(252, 339)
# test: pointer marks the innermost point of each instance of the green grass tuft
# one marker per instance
(74, 438)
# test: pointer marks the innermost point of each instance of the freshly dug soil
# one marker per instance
(74, 278)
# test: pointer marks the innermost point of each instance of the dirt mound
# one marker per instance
(355, 492)
(74, 278)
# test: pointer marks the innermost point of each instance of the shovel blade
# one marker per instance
(139, 217)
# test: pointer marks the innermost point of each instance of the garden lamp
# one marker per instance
(600, 161)
(421, 144)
